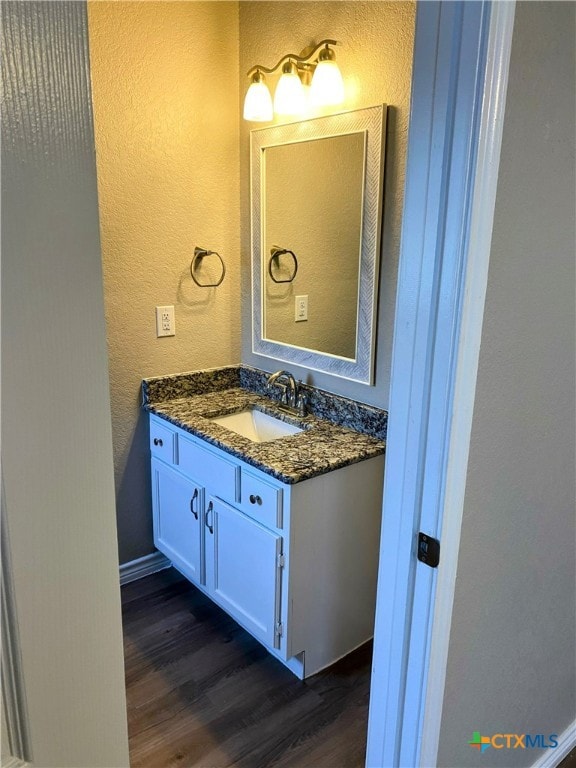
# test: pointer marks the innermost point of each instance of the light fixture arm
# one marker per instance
(299, 60)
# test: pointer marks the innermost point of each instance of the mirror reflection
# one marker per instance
(312, 205)
(316, 196)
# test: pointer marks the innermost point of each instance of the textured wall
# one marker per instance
(376, 60)
(511, 655)
(56, 434)
(165, 90)
(167, 103)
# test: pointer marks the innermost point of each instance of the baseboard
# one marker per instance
(143, 566)
(553, 757)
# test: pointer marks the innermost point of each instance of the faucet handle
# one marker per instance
(301, 401)
(283, 391)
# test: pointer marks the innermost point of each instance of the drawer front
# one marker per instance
(261, 500)
(212, 470)
(162, 441)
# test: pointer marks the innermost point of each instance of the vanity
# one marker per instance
(280, 528)
(274, 515)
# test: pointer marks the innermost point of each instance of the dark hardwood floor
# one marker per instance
(569, 761)
(202, 692)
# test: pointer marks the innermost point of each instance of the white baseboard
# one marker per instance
(143, 566)
(553, 757)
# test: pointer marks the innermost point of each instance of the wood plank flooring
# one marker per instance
(203, 693)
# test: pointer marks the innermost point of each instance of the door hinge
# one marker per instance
(279, 629)
(428, 550)
(280, 561)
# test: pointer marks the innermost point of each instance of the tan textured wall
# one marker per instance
(165, 92)
(376, 60)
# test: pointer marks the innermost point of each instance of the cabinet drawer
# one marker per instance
(214, 471)
(261, 500)
(162, 441)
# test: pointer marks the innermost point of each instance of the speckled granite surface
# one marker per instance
(336, 431)
(180, 385)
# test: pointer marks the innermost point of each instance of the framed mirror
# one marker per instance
(316, 189)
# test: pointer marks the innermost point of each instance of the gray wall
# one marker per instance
(511, 663)
(56, 432)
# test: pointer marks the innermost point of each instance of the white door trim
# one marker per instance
(461, 53)
(472, 313)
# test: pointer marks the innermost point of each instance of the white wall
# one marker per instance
(511, 663)
(56, 432)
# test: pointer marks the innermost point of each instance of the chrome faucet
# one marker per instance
(293, 401)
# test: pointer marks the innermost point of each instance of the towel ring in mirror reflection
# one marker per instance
(199, 254)
(275, 253)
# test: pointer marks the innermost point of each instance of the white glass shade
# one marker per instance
(258, 103)
(289, 97)
(327, 85)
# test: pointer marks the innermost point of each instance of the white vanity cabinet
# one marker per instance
(244, 570)
(178, 519)
(294, 564)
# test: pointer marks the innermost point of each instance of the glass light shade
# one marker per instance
(327, 84)
(289, 97)
(258, 103)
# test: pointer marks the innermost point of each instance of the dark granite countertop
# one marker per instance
(322, 446)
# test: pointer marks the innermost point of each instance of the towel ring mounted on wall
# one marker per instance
(199, 254)
(275, 253)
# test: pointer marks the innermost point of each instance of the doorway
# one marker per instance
(30, 554)
(191, 174)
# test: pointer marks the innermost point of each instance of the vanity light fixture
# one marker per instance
(258, 102)
(290, 98)
(327, 84)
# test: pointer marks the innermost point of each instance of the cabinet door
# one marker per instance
(177, 507)
(243, 569)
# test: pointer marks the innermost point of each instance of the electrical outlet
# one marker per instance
(301, 309)
(165, 321)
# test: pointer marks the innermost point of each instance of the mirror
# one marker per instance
(316, 220)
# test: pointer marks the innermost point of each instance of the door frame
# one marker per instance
(461, 58)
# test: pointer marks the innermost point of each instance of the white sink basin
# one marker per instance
(256, 426)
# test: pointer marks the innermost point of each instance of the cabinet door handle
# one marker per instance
(255, 499)
(158, 441)
(192, 500)
(208, 525)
